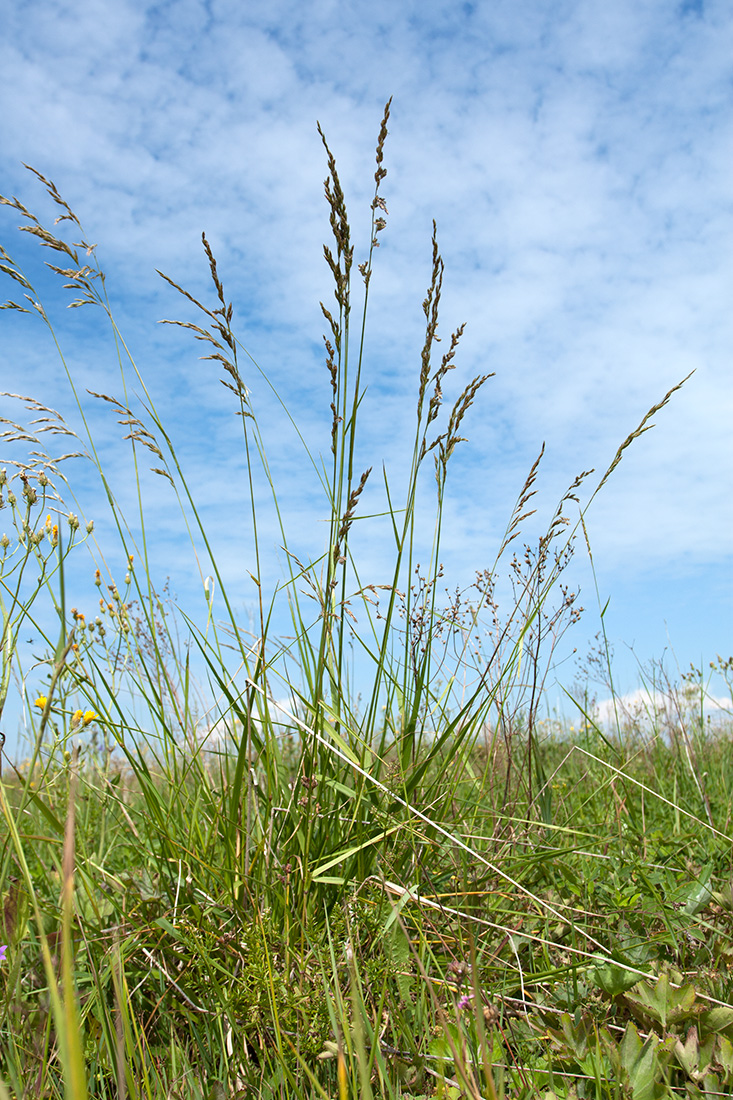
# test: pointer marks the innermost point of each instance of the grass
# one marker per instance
(291, 889)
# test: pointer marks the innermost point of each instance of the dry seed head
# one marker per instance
(526, 493)
(139, 433)
(365, 272)
(16, 204)
(379, 224)
(340, 229)
(644, 426)
(49, 241)
(461, 407)
(221, 324)
(348, 516)
(334, 327)
(430, 309)
(383, 131)
(445, 366)
(214, 274)
(50, 186)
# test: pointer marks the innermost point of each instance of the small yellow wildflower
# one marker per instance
(77, 717)
(89, 717)
(41, 701)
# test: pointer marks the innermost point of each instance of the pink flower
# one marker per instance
(3, 949)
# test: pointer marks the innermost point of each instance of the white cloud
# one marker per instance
(660, 711)
(575, 157)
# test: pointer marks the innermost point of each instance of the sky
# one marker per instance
(576, 158)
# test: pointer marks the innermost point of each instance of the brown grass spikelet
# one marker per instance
(220, 318)
(378, 203)
(525, 495)
(50, 422)
(68, 215)
(333, 371)
(383, 131)
(644, 426)
(334, 327)
(81, 275)
(226, 310)
(16, 204)
(430, 307)
(9, 267)
(559, 520)
(348, 517)
(461, 407)
(437, 399)
(340, 228)
(33, 405)
(49, 241)
(138, 433)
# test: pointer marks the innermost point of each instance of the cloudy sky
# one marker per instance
(577, 160)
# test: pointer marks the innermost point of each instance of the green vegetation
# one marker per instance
(315, 882)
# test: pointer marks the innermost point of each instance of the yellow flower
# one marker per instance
(77, 717)
(41, 701)
(89, 717)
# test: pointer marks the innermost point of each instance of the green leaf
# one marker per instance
(640, 1062)
(725, 1058)
(718, 1019)
(688, 1053)
(700, 893)
(613, 979)
(662, 1003)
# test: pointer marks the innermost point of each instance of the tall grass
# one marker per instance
(283, 883)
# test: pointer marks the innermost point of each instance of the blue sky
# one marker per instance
(577, 159)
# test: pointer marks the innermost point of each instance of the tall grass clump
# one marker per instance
(346, 858)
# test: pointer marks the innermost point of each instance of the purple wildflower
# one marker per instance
(3, 949)
(464, 1002)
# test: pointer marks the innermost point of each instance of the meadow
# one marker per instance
(227, 869)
